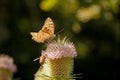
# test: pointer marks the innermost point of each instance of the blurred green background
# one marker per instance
(93, 26)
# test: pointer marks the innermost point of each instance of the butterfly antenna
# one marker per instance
(36, 59)
(59, 31)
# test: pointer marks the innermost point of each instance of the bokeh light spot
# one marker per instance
(76, 28)
(48, 5)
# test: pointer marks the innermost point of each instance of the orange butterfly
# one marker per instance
(46, 33)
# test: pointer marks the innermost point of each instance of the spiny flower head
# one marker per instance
(59, 49)
(58, 61)
(7, 63)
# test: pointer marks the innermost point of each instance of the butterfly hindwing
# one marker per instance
(42, 36)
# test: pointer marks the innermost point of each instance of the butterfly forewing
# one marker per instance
(48, 26)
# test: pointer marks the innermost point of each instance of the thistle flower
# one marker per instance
(58, 64)
(7, 67)
(60, 49)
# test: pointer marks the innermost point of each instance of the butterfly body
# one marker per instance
(46, 33)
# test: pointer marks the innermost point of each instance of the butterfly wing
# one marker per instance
(34, 35)
(48, 27)
(45, 33)
(40, 37)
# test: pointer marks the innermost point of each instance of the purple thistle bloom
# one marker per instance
(7, 63)
(57, 50)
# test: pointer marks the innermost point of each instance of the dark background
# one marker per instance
(93, 26)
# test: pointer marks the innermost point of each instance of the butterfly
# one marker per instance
(46, 33)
